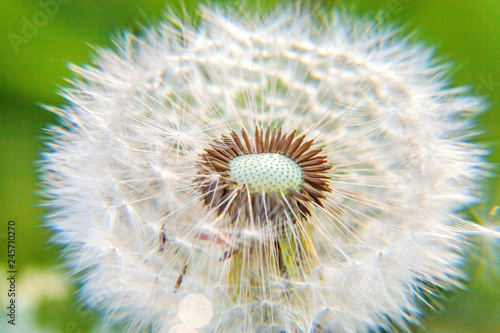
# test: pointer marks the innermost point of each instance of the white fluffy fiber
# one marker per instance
(122, 165)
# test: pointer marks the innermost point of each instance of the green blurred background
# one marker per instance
(33, 68)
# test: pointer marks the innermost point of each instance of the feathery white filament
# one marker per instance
(268, 172)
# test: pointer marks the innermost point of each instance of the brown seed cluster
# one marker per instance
(235, 200)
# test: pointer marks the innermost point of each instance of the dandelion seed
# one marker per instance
(263, 175)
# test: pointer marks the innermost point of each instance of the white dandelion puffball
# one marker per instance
(272, 174)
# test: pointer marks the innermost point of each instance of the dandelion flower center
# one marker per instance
(263, 178)
(268, 172)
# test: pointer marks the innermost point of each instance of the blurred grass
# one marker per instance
(466, 32)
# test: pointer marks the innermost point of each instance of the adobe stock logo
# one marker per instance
(30, 28)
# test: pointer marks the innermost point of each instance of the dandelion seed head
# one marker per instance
(265, 174)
